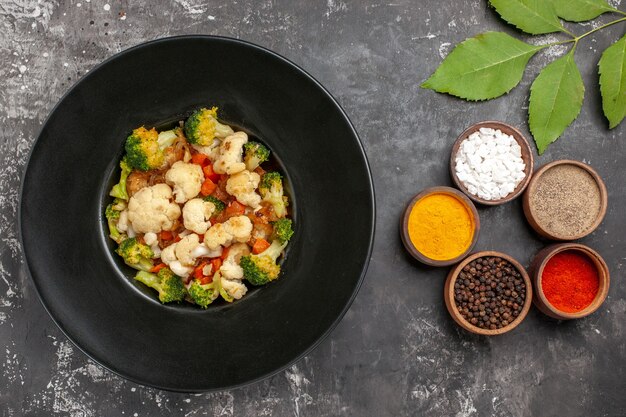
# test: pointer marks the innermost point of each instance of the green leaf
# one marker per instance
(581, 10)
(532, 16)
(556, 98)
(483, 67)
(612, 69)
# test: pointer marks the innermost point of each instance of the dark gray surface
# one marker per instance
(396, 352)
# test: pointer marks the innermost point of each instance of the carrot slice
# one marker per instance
(208, 187)
(158, 267)
(197, 272)
(205, 280)
(210, 174)
(166, 235)
(235, 209)
(260, 245)
(198, 158)
(216, 263)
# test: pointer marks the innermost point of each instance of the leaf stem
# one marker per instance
(577, 38)
(568, 32)
(559, 43)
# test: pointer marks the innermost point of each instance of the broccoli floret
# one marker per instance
(112, 215)
(254, 155)
(271, 189)
(118, 204)
(219, 204)
(203, 294)
(202, 127)
(283, 230)
(143, 151)
(136, 255)
(262, 268)
(119, 189)
(169, 285)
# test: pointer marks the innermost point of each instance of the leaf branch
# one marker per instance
(492, 63)
(606, 25)
(575, 38)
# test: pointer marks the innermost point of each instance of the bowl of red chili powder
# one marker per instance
(570, 280)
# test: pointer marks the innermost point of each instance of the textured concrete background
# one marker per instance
(396, 353)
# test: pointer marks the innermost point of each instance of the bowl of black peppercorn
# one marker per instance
(488, 293)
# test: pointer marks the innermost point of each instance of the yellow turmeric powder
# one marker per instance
(441, 227)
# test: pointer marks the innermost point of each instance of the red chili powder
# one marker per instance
(570, 281)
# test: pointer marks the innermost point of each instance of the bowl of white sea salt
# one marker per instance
(491, 162)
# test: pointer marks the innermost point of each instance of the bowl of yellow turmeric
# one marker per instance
(440, 226)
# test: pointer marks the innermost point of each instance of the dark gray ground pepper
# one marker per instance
(490, 292)
(566, 201)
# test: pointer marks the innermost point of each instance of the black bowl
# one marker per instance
(92, 297)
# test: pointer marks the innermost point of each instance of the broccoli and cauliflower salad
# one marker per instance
(196, 213)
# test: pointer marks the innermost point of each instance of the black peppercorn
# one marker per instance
(489, 293)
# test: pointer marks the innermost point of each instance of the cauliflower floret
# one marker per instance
(230, 158)
(186, 179)
(196, 215)
(217, 236)
(150, 209)
(156, 251)
(150, 238)
(179, 256)
(238, 229)
(201, 251)
(168, 254)
(234, 287)
(212, 150)
(185, 247)
(230, 268)
(168, 257)
(242, 186)
(180, 270)
(152, 241)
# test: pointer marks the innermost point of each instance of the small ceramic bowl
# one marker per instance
(528, 210)
(527, 156)
(448, 294)
(404, 229)
(536, 271)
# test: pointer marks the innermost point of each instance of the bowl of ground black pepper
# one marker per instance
(570, 280)
(488, 293)
(565, 200)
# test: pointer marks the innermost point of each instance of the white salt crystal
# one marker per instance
(489, 164)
